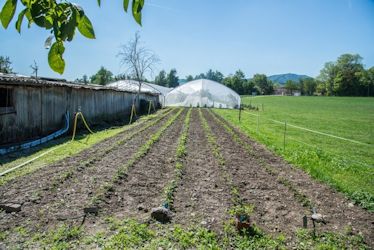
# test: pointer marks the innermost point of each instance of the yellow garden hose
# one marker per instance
(133, 112)
(75, 124)
(151, 104)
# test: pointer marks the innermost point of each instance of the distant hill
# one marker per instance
(283, 78)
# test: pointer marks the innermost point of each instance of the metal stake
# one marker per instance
(284, 136)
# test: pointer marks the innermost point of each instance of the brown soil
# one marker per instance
(276, 210)
(143, 188)
(203, 197)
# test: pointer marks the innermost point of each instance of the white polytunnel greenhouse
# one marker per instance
(203, 93)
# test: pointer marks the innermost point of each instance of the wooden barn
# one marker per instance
(31, 108)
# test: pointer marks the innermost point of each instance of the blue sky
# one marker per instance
(256, 36)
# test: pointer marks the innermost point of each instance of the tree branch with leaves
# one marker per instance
(62, 19)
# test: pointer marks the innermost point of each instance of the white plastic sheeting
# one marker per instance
(203, 93)
(132, 85)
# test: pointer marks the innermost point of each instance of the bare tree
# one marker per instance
(35, 69)
(138, 60)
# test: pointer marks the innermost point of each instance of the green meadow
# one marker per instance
(332, 138)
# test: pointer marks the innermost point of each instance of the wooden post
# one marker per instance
(284, 136)
(240, 110)
(305, 221)
(258, 122)
(262, 107)
(149, 107)
(132, 112)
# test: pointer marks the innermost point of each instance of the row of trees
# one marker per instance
(306, 86)
(238, 82)
(102, 77)
(170, 80)
(344, 77)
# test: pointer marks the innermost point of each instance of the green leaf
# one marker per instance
(137, 6)
(55, 60)
(99, 2)
(29, 17)
(20, 19)
(25, 2)
(37, 13)
(85, 27)
(7, 12)
(126, 4)
(68, 28)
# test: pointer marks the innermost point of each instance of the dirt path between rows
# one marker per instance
(143, 188)
(337, 209)
(202, 197)
(276, 211)
(43, 206)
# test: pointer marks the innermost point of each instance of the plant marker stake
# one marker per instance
(305, 221)
(284, 136)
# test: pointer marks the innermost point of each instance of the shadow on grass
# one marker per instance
(81, 134)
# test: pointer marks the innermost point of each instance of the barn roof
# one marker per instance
(20, 80)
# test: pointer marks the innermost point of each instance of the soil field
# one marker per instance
(196, 166)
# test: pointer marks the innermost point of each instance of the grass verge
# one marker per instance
(131, 234)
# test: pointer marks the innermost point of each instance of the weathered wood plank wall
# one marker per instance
(39, 110)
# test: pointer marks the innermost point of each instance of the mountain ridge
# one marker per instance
(283, 78)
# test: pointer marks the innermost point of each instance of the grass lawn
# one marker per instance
(346, 165)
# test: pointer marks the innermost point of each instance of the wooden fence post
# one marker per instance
(284, 136)
(240, 110)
